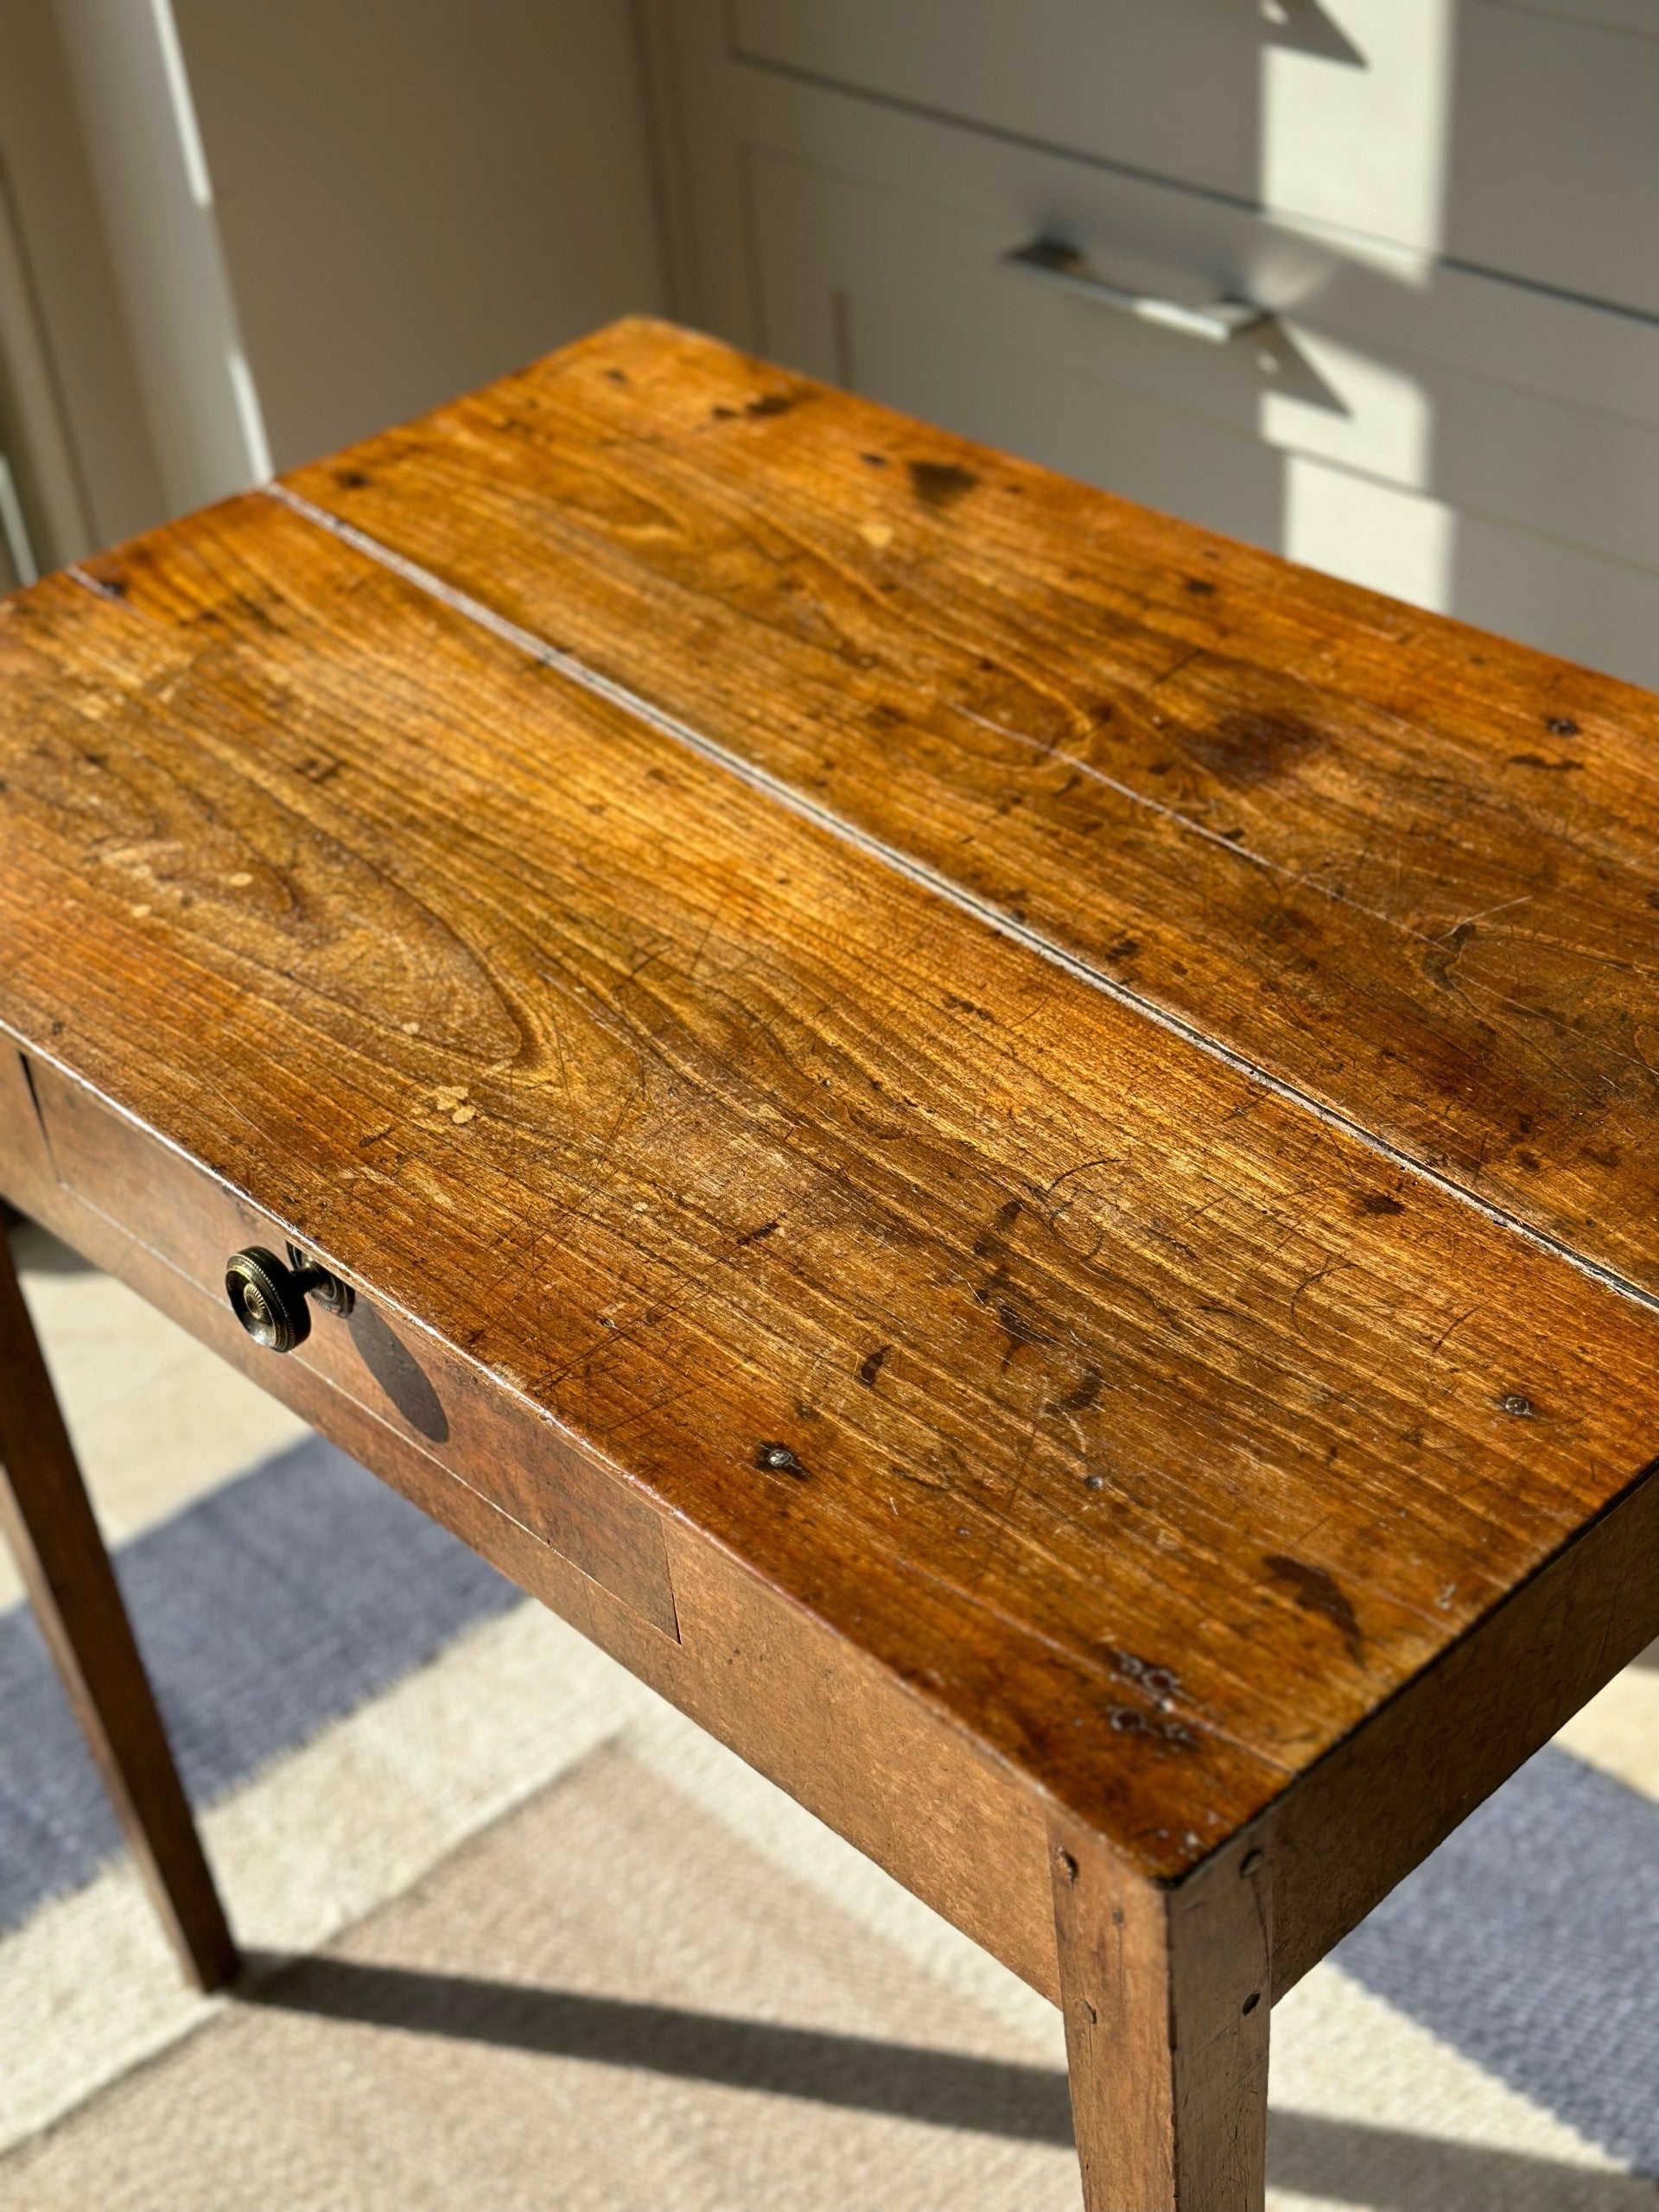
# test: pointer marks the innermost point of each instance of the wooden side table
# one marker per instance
(1008, 1147)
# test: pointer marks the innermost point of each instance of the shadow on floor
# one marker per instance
(1346, 2162)
(1340, 2160)
(949, 2089)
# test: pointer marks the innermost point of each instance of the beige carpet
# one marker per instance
(609, 2001)
(610, 1914)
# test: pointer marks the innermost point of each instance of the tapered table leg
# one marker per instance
(1166, 2000)
(46, 1514)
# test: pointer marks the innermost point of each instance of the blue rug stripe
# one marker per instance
(1530, 1942)
(268, 1608)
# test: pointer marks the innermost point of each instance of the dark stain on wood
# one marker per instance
(1019, 1330)
(940, 484)
(1078, 1400)
(1247, 749)
(870, 1366)
(1318, 1591)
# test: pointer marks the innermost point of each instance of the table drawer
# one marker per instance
(1473, 447)
(385, 1363)
(1517, 138)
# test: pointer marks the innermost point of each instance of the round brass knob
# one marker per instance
(267, 1296)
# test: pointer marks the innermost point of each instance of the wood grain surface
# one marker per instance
(1150, 1427)
(1393, 863)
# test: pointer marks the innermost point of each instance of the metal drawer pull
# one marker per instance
(269, 1299)
(1219, 321)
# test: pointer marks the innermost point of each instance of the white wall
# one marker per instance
(158, 217)
(70, 411)
(417, 195)
(254, 229)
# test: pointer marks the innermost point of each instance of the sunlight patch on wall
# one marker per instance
(1394, 541)
(1370, 414)
(1355, 98)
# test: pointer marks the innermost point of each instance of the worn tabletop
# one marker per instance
(1079, 1097)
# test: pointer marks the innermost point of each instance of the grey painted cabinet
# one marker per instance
(1446, 212)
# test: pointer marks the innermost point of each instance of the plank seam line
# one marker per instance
(928, 879)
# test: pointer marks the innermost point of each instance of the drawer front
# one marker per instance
(1517, 139)
(386, 1363)
(1470, 446)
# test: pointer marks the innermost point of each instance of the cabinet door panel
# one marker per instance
(1430, 471)
(1517, 139)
